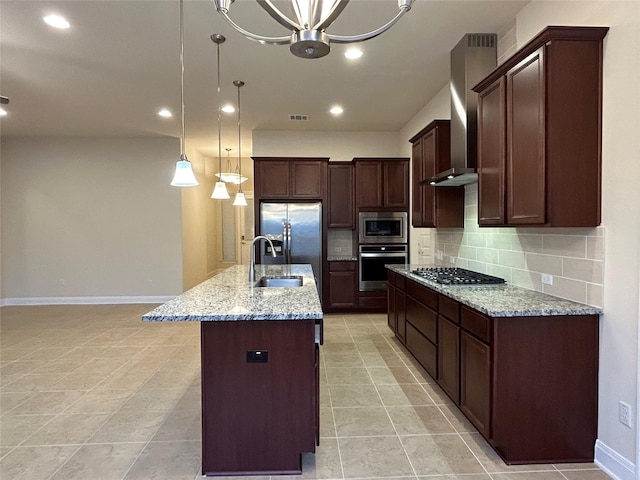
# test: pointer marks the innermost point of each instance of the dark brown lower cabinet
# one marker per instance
(342, 286)
(449, 357)
(260, 389)
(528, 384)
(401, 320)
(475, 382)
(391, 307)
(421, 348)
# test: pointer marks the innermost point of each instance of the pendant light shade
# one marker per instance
(183, 176)
(240, 200)
(220, 189)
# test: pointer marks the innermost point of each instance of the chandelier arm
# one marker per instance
(278, 16)
(335, 12)
(258, 38)
(366, 36)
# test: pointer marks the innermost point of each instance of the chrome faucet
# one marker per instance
(252, 261)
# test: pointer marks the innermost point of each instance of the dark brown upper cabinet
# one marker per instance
(287, 178)
(434, 206)
(382, 184)
(539, 133)
(341, 211)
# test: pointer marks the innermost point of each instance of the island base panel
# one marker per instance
(257, 417)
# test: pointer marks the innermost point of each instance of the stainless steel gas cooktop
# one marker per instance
(457, 276)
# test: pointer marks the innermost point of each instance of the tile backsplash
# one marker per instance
(572, 257)
(340, 242)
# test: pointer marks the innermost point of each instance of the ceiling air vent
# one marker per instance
(298, 117)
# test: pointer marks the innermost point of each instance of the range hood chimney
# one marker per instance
(472, 59)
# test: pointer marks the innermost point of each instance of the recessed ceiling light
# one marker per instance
(165, 113)
(56, 21)
(336, 110)
(228, 109)
(3, 112)
(353, 53)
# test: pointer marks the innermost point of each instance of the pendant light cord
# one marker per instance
(239, 84)
(182, 138)
(219, 118)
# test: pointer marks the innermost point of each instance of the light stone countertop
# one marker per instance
(501, 300)
(229, 296)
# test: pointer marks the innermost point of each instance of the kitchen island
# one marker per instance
(522, 366)
(260, 368)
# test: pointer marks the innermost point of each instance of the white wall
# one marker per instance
(620, 194)
(338, 146)
(97, 214)
(421, 248)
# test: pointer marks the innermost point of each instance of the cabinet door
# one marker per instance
(391, 307)
(396, 185)
(368, 184)
(417, 175)
(429, 149)
(475, 382)
(491, 155)
(449, 358)
(401, 310)
(342, 286)
(271, 179)
(341, 212)
(308, 178)
(526, 141)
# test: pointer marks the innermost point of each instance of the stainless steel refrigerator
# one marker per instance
(296, 232)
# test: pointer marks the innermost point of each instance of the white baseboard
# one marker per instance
(81, 300)
(614, 464)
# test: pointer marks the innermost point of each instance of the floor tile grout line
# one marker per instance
(385, 407)
(439, 407)
(335, 426)
(86, 442)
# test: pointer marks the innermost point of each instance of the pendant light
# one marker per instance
(220, 189)
(183, 177)
(229, 176)
(240, 200)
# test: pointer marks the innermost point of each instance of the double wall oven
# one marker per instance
(383, 241)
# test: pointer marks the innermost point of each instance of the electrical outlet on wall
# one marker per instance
(624, 414)
(439, 255)
(547, 279)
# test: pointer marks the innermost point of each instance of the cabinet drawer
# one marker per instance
(401, 281)
(477, 324)
(449, 308)
(342, 266)
(422, 294)
(422, 318)
(421, 348)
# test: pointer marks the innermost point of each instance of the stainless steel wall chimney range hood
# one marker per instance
(472, 59)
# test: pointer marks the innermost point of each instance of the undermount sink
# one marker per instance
(272, 281)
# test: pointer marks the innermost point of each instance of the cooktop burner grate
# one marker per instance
(457, 276)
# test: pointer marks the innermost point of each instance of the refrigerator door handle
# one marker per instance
(288, 231)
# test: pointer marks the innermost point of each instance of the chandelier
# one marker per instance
(309, 38)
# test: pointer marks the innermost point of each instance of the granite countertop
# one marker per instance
(229, 296)
(504, 300)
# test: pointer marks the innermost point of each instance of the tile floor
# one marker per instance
(91, 392)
